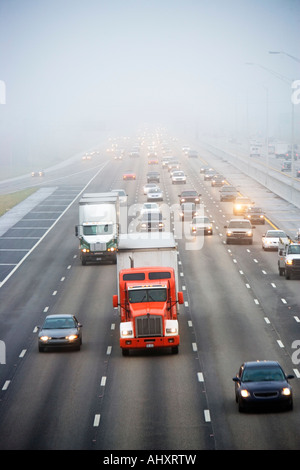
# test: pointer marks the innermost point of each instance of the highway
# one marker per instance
(237, 308)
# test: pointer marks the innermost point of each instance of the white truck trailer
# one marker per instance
(98, 228)
(147, 249)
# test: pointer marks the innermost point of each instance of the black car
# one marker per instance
(188, 211)
(151, 222)
(189, 195)
(218, 180)
(255, 215)
(153, 177)
(262, 383)
(228, 193)
(208, 175)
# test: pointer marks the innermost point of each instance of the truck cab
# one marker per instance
(289, 259)
(147, 303)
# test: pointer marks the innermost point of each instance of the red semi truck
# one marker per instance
(148, 298)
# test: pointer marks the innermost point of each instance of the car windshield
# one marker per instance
(263, 374)
(104, 229)
(294, 249)
(148, 295)
(188, 193)
(151, 216)
(242, 200)
(276, 234)
(239, 224)
(228, 188)
(201, 220)
(57, 323)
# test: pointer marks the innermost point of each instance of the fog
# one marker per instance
(73, 71)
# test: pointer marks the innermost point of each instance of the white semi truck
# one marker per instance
(98, 228)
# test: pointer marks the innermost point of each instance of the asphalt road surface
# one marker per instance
(236, 308)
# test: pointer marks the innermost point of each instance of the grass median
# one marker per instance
(8, 201)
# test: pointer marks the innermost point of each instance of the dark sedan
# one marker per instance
(262, 383)
(60, 331)
(255, 215)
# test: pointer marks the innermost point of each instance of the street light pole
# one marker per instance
(286, 80)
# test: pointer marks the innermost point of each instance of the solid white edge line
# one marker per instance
(50, 228)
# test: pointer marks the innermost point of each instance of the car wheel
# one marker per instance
(240, 407)
(281, 271)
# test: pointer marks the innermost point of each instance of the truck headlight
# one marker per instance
(171, 331)
(289, 262)
(126, 333)
(249, 233)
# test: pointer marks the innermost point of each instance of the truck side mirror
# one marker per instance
(115, 301)
(180, 297)
(76, 230)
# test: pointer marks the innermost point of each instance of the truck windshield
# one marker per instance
(294, 250)
(104, 229)
(147, 295)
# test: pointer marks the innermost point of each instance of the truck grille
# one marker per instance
(148, 325)
(98, 246)
(239, 234)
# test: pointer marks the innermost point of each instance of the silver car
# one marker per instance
(155, 194)
(60, 331)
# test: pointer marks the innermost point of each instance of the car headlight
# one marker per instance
(228, 233)
(238, 207)
(45, 338)
(245, 393)
(286, 391)
(72, 337)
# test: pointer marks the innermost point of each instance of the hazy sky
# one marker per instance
(115, 64)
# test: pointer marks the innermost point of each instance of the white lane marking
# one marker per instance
(96, 420)
(207, 416)
(6, 385)
(200, 377)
